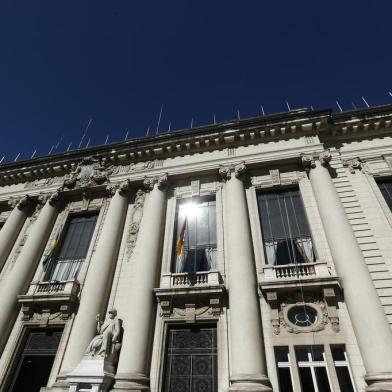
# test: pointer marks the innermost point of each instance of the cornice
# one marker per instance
(369, 122)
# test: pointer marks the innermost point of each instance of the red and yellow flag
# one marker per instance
(180, 247)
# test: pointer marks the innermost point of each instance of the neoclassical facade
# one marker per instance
(252, 255)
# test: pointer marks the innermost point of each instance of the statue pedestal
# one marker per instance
(93, 374)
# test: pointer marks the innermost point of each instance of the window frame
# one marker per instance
(284, 188)
(174, 238)
(62, 232)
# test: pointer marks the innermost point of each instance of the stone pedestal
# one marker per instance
(134, 363)
(371, 327)
(248, 364)
(92, 375)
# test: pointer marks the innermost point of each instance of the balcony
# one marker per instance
(291, 275)
(190, 290)
(54, 295)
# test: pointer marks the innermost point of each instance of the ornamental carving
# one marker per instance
(238, 170)
(137, 214)
(89, 171)
(21, 203)
(315, 312)
(325, 157)
(353, 164)
(137, 167)
(308, 162)
(160, 180)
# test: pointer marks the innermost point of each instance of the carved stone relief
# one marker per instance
(325, 306)
(137, 214)
(89, 171)
(136, 167)
(190, 309)
(352, 164)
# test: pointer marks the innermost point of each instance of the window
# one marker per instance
(34, 363)
(342, 369)
(285, 229)
(312, 369)
(283, 364)
(302, 316)
(73, 247)
(191, 360)
(386, 190)
(195, 237)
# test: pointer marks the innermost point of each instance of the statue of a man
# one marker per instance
(108, 337)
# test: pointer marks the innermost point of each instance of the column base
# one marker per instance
(131, 382)
(380, 382)
(250, 382)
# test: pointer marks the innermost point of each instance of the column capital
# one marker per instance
(160, 180)
(309, 160)
(352, 164)
(52, 198)
(122, 188)
(237, 169)
(21, 203)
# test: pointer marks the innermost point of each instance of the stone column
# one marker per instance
(96, 288)
(134, 363)
(247, 359)
(371, 327)
(11, 229)
(19, 277)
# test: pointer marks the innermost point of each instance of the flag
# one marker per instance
(49, 254)
(180, 248)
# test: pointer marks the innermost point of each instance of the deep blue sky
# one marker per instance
(64, 62)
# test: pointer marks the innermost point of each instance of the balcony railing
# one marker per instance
(296, 271)
(191, 279)
(51, 291)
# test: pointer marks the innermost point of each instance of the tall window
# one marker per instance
(284, 366)
(285, 229)
(386, 190)
(195, 237)
(73, 247)
(342, 368)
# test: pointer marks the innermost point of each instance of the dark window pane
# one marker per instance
(284, 376)
(73, 247)
(322, 379)
(338, 353)
(344, 379)
(317, 353)
(282, 354)
(306, 379)
(386, 190)
(302, 354)
(285, 229)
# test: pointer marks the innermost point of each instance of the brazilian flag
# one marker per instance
(49, 254)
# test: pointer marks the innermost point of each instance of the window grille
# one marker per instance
(195, 237)
(73, 247)
(386, 190)
(286, 232)
(191, 360)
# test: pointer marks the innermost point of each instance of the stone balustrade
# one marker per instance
(191, 279)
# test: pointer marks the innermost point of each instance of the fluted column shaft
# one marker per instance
(134, 362)
(22, 271)
(247, 360)
(371, 327)
(11, 229)
(98, 281)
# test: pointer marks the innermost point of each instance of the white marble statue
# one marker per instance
(108, 338)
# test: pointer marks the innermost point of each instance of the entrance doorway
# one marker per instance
(36, 360)
(191, 360)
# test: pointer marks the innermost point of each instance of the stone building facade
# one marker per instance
(252, 255)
